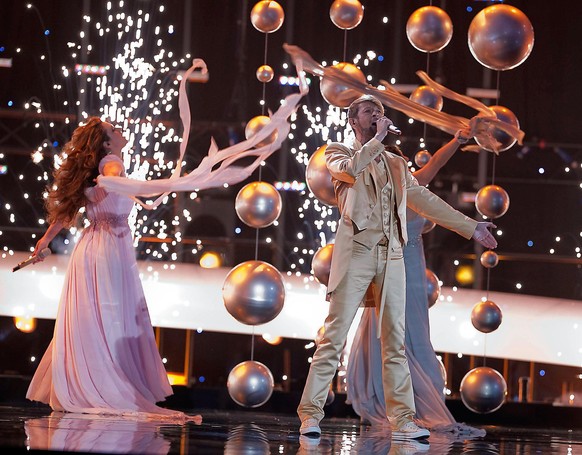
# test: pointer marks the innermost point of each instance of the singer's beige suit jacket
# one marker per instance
(357, 194)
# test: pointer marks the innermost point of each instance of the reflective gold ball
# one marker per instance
(25, 324)
(265, 73)
(319, 179)
(255, 125)
(501, 37)
(492, 201)
(489, 259)
(346, 14)
(427, 96)
(505, 140)
(433, 287)
(258, 204)
(321, 263)
(267, 16)
(422, 158)
(429, 29)
(427, 226)
(339, 95)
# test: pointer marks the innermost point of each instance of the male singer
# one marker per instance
(373, 187)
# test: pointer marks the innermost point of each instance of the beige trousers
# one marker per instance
(365, 266)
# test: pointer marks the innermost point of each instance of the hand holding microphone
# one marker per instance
(383, 126)
(31, 260)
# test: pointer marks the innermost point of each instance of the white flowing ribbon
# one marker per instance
(218, 167)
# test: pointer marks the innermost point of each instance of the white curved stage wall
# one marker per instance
(186, 296)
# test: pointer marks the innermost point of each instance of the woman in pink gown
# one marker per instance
(103, 358)
(364, 371)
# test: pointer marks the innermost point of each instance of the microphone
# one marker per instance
(43, 254)
(394, 130)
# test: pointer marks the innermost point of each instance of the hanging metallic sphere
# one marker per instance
(250, 384)
(483, 390)
(443, 371)
(258, 204)
(319, 179)
(265, 73)
(427, 226)
(505, 140)
(330, 397)
(489, 259)
(492, 201)
(422, 158)
(339, 95)
(501, 37)
(255, 125)
(427, 96)
(429, 29)
(486, 316)
(267, 16)
(346, 14)
(253, 292)
(433, 288)
(321, 263)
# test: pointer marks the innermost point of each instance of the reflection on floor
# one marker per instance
(246, 432)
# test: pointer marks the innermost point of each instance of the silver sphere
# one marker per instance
(321, 263)
(340, 95)
(319, 179)
(265, 73)
(250, 384)
(443, 371)
(483, 390)
(486, 316)
(505, 140)
(258, 204)
(330, 397)
(501, 37)
(428, 226)
(267, 16)
(429, 29)
(427, 96)
(422, 158)
(346, 14)
(492, 201)
(255, 125)
(489, 259)
(433, 288)
(253, 292)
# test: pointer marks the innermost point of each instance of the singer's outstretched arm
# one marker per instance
(47, 238)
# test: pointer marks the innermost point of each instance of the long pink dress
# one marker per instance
(103, 358)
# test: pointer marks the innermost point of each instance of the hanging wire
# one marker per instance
(428, 73)
(264, 83)
(493, 167)
(253, 344)
(498, 91)
(345, 44)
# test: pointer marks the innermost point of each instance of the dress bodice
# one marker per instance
(107, 207)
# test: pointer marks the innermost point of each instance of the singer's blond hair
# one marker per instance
(354, 107)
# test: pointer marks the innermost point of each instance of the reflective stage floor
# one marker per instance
(32, 429)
